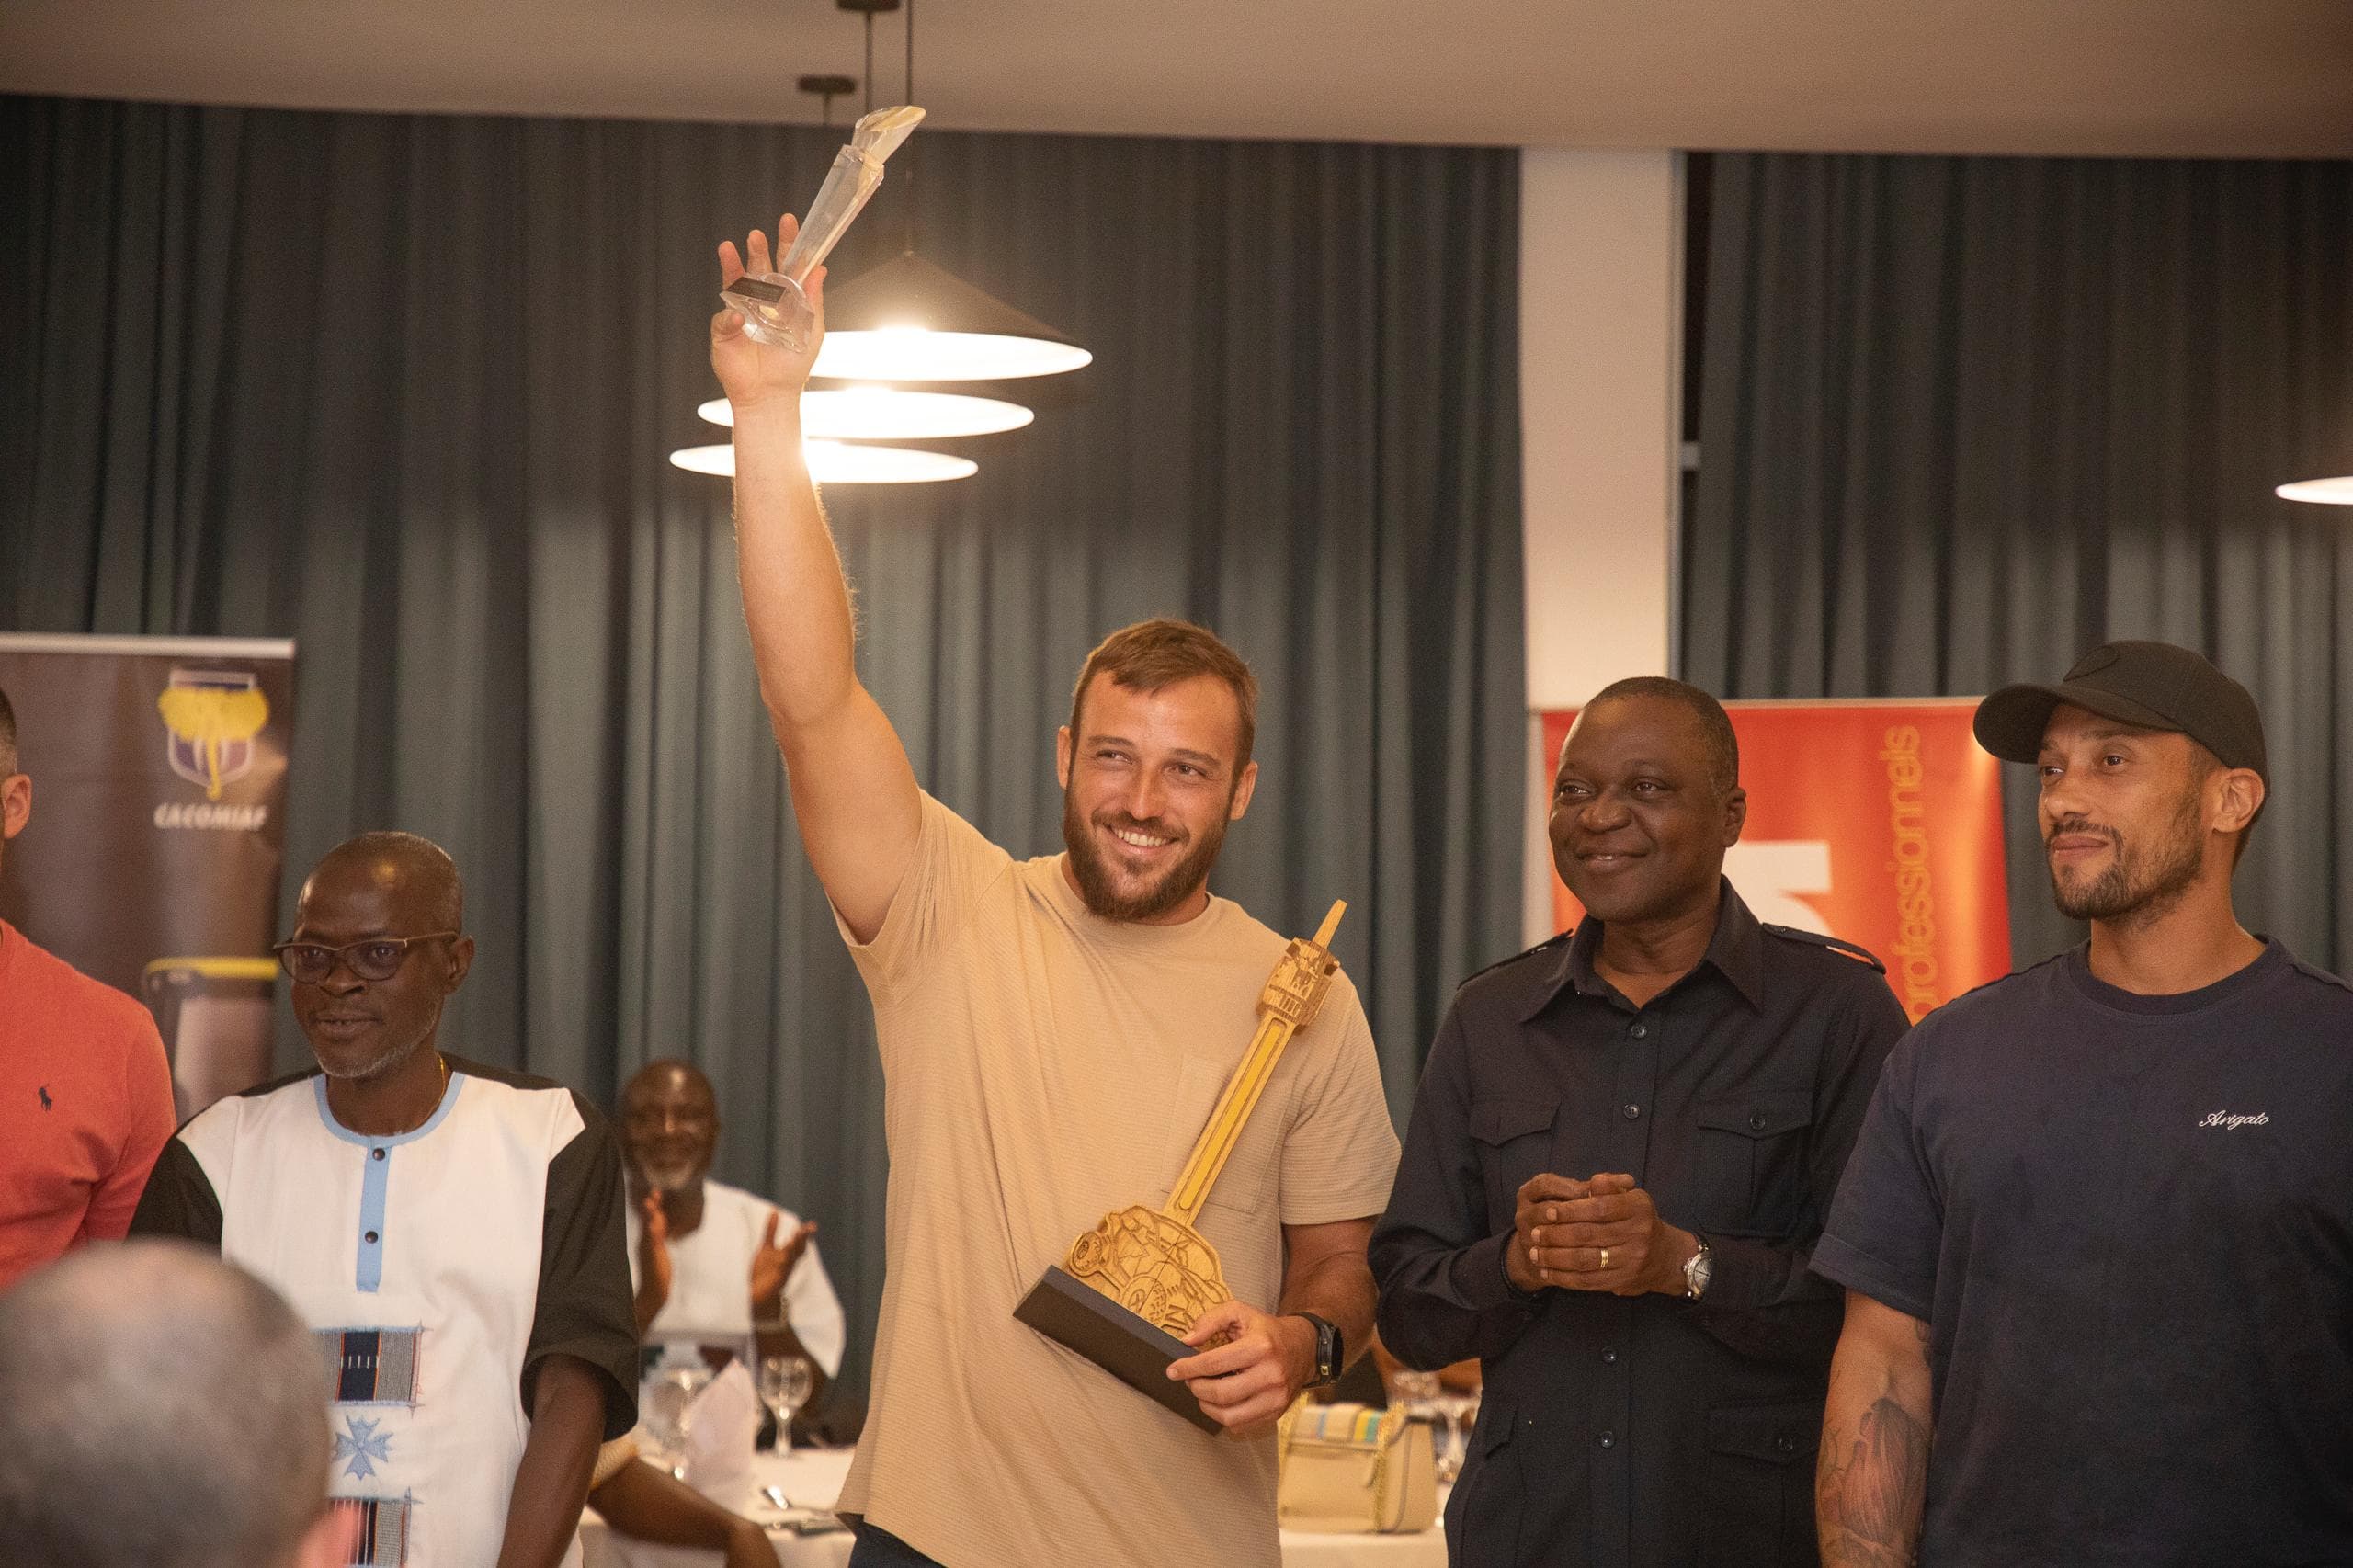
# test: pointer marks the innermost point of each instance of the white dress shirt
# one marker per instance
(710, 1283)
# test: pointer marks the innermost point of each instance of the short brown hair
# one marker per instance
(1155, 653)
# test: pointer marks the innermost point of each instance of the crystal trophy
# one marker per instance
(773, 306)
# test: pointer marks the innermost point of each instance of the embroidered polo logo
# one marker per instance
(2224, 1119)
(45, 1101)
(370, 1366)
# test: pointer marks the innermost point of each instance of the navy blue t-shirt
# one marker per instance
(2128, 1220)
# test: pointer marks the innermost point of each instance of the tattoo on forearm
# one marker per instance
(1871, 1489)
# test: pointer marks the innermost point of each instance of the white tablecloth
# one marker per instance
(814, 1477)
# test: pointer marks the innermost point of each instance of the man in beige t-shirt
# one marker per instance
(1054, 1034)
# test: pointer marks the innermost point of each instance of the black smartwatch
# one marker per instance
(1329, 1356)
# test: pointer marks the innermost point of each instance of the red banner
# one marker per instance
(1879, 822)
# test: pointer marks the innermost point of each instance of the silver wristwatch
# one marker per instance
(1697, 1269)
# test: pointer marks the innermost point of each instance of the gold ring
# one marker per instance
(1605, 1257)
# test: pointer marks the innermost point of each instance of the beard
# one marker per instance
(2137, 886)
(361, 1070)
(1099, 885)
(675, 1176)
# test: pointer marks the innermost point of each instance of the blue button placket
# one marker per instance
(376, 1177)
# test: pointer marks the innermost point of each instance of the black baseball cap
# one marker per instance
(2153, 685)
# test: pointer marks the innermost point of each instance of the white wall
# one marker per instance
(1601, 386)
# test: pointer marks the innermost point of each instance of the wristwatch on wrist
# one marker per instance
(1697, 1269)
(1328, 1355)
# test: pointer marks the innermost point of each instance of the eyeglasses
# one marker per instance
(378, 957)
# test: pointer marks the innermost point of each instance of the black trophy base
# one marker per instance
(1081, 1318)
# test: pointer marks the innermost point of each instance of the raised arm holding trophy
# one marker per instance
(1055, 1036)
(775, 306)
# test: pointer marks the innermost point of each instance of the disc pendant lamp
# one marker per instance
(912, 320)
(906, 320)
(2337, 491)
(842, 462)
(891, 414)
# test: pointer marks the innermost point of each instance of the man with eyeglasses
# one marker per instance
(452, 1232)
(85, 1091)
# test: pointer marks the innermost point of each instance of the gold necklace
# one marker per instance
(438, 1092)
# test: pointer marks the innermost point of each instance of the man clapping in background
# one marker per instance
(713, 1265)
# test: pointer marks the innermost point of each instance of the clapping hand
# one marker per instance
(653, 1260)
(773, 1265)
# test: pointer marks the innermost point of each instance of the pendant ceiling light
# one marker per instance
(2337, 491)
(836, 463)
(909, 320)
(887, 414)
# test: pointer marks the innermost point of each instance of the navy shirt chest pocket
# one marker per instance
(1514, 1143)
(1749, 1162)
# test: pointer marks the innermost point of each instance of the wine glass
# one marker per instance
(786, 1383)
(1459, 1410)
(1414, 1393)
(667, 1415)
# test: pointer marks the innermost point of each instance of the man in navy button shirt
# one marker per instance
(1623, 1146)
(2097, 1233)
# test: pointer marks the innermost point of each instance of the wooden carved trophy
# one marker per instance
(1130, 1286)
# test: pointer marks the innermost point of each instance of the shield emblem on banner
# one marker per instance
(213, 716)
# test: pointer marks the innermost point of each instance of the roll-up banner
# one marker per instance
(152, 858)
(1877, 822)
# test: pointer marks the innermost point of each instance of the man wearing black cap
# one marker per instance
(2097, 1233)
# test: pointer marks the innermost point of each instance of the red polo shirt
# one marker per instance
(86, 1104)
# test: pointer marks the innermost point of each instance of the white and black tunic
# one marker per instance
(437, 1266)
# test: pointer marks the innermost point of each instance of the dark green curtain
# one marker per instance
(403, 387)
(1963, 419)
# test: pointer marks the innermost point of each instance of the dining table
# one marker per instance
(806, 1535)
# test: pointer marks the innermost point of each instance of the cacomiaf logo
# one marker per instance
(213, 716)
(2228, 1119)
